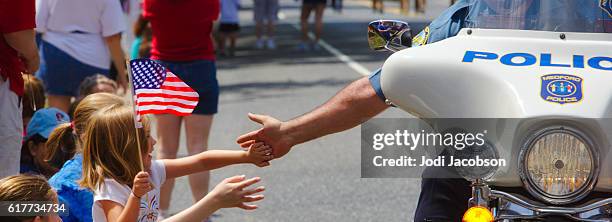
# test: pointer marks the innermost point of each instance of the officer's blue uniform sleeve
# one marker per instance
(375, 82)
(444, 26)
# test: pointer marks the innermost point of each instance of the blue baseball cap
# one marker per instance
(44, 121)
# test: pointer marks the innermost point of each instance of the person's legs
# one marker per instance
(306, 9)
(374, 5)
(420, 6)
(259, 44)
(232, 37)
(201, 76)
(270, 33)
(258, 29)
(271, 17)
(197, 128)
(377, 5)
(320, 8)
(259, 15)
(168, 134)
(222, 39)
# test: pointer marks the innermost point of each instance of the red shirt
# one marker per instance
(181, 29)
(15, 15)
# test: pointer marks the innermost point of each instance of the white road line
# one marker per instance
(341, 56)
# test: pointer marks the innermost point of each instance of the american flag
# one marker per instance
(159, 91)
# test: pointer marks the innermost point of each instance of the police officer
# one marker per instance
(440, 199)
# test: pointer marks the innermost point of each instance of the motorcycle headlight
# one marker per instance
(558, 165)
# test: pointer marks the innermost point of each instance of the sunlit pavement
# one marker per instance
(319, 180)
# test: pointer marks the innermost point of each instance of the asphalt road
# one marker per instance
(319, 180)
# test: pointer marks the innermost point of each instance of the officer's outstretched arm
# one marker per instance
(350, 107)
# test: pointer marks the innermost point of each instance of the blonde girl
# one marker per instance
(28, 188)
(65, 153)
(122, 192)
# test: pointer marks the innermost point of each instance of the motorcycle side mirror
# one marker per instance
(389, 35)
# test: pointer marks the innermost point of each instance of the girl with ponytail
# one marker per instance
(65, 152)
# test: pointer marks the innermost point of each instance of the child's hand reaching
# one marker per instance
(260, 154)
(142, 184)
(233, 192)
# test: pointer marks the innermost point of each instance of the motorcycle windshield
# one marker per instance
(594, 16)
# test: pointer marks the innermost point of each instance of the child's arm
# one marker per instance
(231, 192)
(257, 154)
(116, 212)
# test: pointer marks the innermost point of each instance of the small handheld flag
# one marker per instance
(159, 91)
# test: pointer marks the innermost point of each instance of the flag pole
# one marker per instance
(132, 102)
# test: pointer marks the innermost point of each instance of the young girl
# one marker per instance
(34, 150)
(27, 188)
(64, 146)
(112, 168)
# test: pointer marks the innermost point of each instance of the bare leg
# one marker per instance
(306, 9)
(374, 5)
(258, 29)
(222, 40)
(270, 30)
(198, 129)
(168, 134)
(320, 8)
(232, 37)
(420, 6)
(60, 102)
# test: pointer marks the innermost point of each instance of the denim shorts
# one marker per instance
(61, 73)
(201, 76)
(265, 10)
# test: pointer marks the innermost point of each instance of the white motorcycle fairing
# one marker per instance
(469, 76)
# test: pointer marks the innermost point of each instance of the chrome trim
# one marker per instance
(532, 188)
(480, 194)
(511, 207)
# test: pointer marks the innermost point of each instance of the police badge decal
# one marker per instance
(561, 88)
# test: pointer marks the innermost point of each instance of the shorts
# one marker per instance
(314, 2)
(11, 130)
(265, 10)
(61, 73)
(229, 27)
(201, 76)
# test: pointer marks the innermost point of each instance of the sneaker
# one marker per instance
(259, 44)
(270, 44)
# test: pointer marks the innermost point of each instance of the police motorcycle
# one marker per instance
(551, 69)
